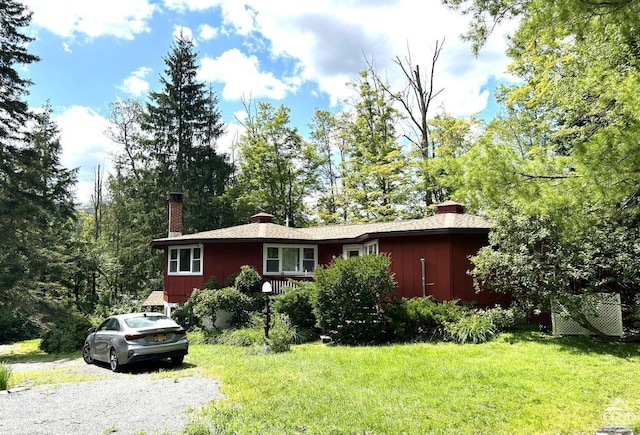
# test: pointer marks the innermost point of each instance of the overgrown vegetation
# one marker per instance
(5, 375)
(66, 335)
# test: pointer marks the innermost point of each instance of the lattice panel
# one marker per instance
(607, 317)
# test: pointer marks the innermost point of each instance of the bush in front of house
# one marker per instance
(352, 298)
(66, 335)
(210, 302)
(249, 282)
(297, 304)
(184, 315)
(282, 334)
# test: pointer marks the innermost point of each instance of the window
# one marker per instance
(290, 259)
(371, 247)
(185, 260)
(349, 251)
(358, 250)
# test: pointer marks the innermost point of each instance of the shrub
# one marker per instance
(212, 283)
(249, 282)
(66, 335)
(427, 316)
(184, 314)
(5, 376)
(474, 327)
(504, 319)
(297, 304)
(209, 302)
(353, 295)
(282, 334)
(244, 337)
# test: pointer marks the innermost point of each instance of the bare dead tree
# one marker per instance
(419, 91)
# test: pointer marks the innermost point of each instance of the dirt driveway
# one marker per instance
(147, 398)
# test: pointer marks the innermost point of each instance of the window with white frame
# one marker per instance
(358, 250)
(185, 260)
(290, 259)
(371, 247)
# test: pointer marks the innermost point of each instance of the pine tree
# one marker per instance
(184, 123)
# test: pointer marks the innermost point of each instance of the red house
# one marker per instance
(429, 256)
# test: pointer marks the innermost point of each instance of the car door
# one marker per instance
(103, 338)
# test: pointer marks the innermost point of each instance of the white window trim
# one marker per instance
(183, 273)
(347, 248)
(279, 246)
(373, 243)
(362, 249)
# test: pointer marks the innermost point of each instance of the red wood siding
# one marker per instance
(406, 253)
(224, 259)
(446, 266)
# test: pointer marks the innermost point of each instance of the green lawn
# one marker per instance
(523, 383)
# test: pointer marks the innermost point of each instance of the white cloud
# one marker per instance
(330, 40)
(136, 84)
(207, 32)
(242, 77)
(84, 145)
(118, 18)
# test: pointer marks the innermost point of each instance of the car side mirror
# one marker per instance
(92, 330)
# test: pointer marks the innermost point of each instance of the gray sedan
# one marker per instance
(135, 337)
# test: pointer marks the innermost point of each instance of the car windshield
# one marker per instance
(149, 322)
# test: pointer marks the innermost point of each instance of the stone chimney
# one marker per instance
(449, 207)
(175, 214)
(262, 218)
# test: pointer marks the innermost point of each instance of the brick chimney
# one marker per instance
(262, 218)
(449, 207)
(175, 214)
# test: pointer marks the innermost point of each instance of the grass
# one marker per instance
(518, 383)
(523, 383)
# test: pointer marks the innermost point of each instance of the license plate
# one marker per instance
(160, 337)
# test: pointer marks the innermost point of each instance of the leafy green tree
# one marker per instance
(330, 134)
(278, 169)
(376, 167)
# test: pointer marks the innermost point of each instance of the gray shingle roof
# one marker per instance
(439, 223)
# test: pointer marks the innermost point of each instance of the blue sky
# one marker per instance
(297, 53)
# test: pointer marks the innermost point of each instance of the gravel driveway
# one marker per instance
(135, 401)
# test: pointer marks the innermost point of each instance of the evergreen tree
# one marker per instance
(183, 124)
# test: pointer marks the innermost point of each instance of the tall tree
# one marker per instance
(564, 154)
(416, 100)
(376, 167)
(327, 134)
(278, 169)
(183, 123)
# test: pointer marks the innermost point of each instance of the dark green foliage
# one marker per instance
(423, 318)
(16, 326)
(297, 303)
(212, 283)
(353, 298)
(185, 316)
(245, 337)
(209, 302)
(230, 281)
(249, 282)
(66, 335)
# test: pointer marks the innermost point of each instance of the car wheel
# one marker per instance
(86, 354)
(177, 360)
(113, 360)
